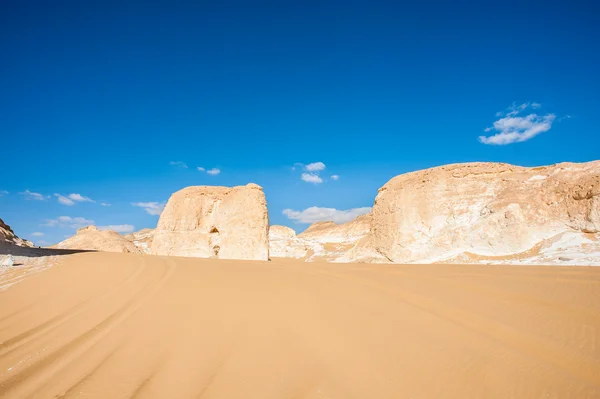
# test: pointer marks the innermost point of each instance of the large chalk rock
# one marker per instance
(483, 209)
(214, 222)
(92, 239)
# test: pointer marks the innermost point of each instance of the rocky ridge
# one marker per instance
(8, 236)
(90, 238)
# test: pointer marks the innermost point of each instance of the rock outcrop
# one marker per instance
(91, 239)
(141, 239)
(348, 232)
(8, 236)
(320, 241)
(214, 222)
(480, 209)
(283, 243)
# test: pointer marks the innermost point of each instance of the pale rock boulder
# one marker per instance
(90, 238)
(7, 260)
(141, 239)
(324, 241)
(214, 222)
(483, 209)
(283, 243)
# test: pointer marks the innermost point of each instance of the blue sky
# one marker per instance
(110, 101)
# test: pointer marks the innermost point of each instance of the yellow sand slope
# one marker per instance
(108, 325)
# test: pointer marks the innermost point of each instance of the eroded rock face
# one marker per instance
(214, 222)
(8, 236)
(283, 243)
(348, 232)
(141, 239)
(320, 241)
(92, 239)
(484, 209)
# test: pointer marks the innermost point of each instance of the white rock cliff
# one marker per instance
(214, 222)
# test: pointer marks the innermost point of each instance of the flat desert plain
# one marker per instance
(105, 325)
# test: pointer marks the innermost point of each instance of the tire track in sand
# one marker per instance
(510, 338)
(12, 344)
(38, 372)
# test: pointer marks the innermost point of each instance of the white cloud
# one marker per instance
(64, 200)
(335, 177)
(104, 204)
(37, 234)
(33, 196)
(119, 228)
(80, 198)
(311, 178)
(212, 172)
(315, 167)
(316, 214)
(313, 172)
(512, 128)
(68, 221)
(3, 192)
(179, 164)
(71, 199)
(152, 208)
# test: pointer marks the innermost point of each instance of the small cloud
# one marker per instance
(3, 192)
(104, 204)
(68, 221)
(317, 214)
(33, 196)
(315, 167)
(37, 234)
(71, 199)
(335, 177)
(212, 172)
(80, 198)
(564, 117)
(512, 128)
(178, 164)
(297, 165)
(151, 208)
(64, 200)
(311, 178)
(119, 228)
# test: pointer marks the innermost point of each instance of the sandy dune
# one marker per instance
(108, 325)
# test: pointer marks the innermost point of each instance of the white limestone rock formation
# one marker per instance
(283, 243)
(141, 239)
(8, 236)
(214, 222)
(480, 210)
(92, 239)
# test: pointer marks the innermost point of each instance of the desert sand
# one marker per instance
(112, 325)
